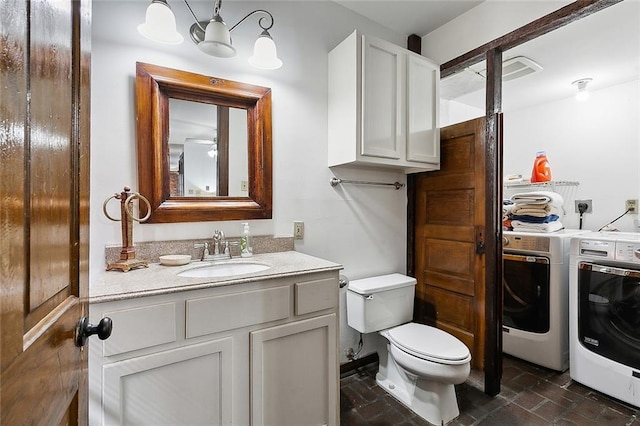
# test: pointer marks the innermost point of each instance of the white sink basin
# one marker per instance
(223, 270)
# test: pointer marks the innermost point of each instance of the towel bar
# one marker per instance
(337, 181)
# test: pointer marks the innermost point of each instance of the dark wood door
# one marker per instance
(44, 209)
(449, 232)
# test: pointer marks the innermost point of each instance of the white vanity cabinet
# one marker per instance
(254, 353)
(383, 106)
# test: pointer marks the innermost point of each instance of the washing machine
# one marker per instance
(604, 313)
(535, 320)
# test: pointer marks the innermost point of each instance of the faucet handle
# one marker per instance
(205, 247)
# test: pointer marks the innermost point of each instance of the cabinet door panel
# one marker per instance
(294, 373)
(313, 296)
(159, 318)
(189, 385)
(382, 100)
(209, 315)
(423, 134)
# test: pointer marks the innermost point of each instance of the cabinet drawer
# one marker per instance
(312, 296)
(214, 314)
(140, 328)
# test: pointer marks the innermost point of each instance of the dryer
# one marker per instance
(536, 297)
(604, 312)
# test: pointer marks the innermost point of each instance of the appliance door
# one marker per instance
(609, 312)
(526, 292)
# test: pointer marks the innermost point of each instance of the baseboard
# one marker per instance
(357, 363)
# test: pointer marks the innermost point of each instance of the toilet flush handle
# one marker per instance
(343, 281)
(368, 297)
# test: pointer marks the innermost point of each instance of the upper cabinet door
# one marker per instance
(382, 106)
(423, 134)
(382, 99)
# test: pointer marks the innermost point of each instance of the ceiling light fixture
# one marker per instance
(212, 37)
(582, 94)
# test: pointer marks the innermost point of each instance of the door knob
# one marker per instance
(84, 329)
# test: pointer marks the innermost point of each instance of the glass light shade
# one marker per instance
(581, 84)
(264, 53)
(217, 40)
(160, 24)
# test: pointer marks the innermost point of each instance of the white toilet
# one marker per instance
(419, 365)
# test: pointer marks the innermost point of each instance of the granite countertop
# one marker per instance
(160, 279)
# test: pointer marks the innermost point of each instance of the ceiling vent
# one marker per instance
(470, 80)
(461, 83)
(518, 67)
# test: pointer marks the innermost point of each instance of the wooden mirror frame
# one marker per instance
(154, 86)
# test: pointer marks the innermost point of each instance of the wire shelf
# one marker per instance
(550, 184)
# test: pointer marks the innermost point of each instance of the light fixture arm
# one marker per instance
(197, 30)
(259, 20)
(217, 5)
(195, 18)
(212, 37)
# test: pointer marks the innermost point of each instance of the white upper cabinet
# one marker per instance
(383, 106)
(383, 100)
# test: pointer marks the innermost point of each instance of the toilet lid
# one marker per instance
(429, 343)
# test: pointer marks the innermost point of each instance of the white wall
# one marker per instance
(596, 142)
(452, 112)
(361, 227)
(487, 21)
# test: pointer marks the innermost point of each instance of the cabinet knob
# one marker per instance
(84, 329)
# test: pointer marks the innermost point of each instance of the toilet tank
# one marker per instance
(380, 302)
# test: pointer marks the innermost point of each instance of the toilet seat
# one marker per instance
(429, 343)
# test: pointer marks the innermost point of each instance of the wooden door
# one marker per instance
(449, 231)
(44, 213)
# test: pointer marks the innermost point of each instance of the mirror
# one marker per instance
(204, 146)
(207, 150)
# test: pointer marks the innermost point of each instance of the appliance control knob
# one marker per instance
(636, 253)
(505, 241)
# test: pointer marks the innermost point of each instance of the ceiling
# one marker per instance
(412, 16)
(604, 46)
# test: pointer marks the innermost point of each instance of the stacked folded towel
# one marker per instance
(507, 206)
(536, 211)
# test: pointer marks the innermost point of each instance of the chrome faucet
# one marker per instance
(218, 242)
(219, 250)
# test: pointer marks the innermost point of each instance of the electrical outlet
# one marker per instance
(298, 230)
(589, 204)
(244, 185)
(632, 206)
